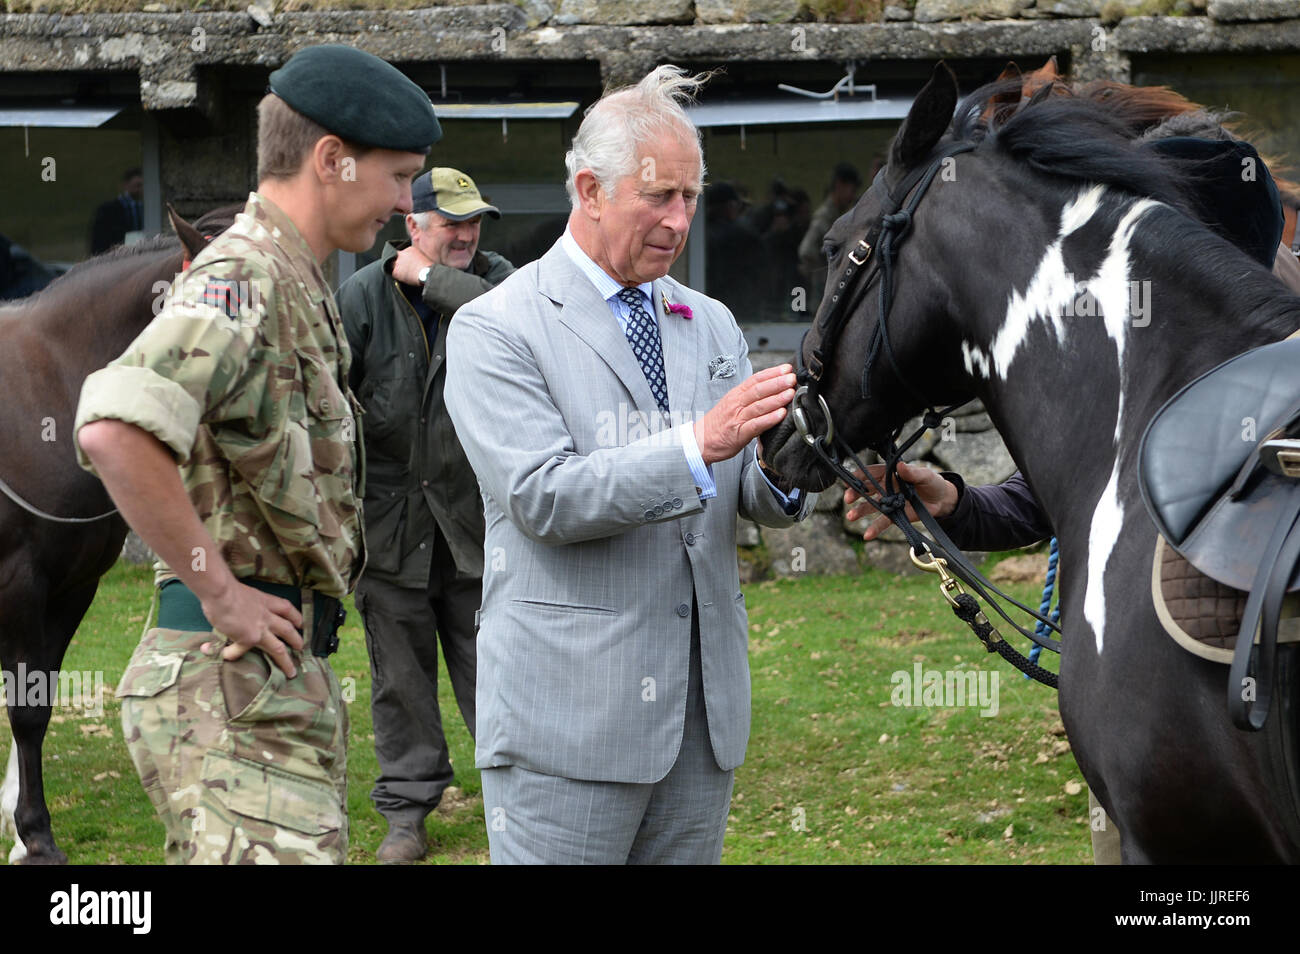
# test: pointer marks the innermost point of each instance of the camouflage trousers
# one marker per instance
(243, 765)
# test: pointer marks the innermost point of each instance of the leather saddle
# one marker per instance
(1219, 470)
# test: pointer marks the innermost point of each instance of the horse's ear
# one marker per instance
(1045, 75)
(1007, 95)
(926, 121)
(190, 237)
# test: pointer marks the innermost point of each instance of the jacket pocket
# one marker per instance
(392, 406)
(312, 464)
(386, 516)
(565, 608)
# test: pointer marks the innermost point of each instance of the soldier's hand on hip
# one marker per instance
(744, 412)
(407, 265)
(251, 619)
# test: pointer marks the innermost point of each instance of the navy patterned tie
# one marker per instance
(643, 335)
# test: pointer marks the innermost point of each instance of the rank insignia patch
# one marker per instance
(224, 294)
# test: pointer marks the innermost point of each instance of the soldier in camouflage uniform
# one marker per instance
(242, 382)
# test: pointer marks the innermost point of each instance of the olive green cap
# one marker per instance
(451, 194)
(358, 97)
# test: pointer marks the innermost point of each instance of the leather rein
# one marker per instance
(878, 250)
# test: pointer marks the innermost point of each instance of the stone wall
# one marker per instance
(170, 50)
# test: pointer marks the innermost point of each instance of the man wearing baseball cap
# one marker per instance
(227, 436)
(423, 513)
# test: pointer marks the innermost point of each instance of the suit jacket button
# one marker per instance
(677, 503)
(659, 511)
(690, 539)
(649, 514)
(683, 611)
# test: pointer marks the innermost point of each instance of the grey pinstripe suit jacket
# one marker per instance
(596, 537)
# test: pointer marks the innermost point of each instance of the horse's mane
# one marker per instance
(1073, 138)
(1145, 110)
(1141, 107)
(119, 253)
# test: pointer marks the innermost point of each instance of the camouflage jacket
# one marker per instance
(243, 376)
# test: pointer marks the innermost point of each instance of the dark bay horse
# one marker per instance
(50, 569)
(1054, 271)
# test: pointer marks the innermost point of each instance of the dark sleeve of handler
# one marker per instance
(447, 289)
(357, 317)
(1001, 516)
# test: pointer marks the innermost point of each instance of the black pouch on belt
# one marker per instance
(328, 615)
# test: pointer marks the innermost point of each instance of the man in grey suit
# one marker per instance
(610, 416)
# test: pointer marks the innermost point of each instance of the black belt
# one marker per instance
(179, 608)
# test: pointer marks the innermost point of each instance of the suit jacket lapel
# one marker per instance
(588, 316)
(681, 341)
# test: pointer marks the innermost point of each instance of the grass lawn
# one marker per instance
(835, 771)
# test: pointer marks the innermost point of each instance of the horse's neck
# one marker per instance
(91, 324)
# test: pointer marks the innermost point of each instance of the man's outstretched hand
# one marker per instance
(744, 412)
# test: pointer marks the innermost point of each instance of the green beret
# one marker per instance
(358, 97)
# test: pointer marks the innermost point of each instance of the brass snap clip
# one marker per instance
(949, 585)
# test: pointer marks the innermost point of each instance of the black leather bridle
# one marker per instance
(877, 250)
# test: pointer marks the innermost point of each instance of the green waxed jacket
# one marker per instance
(418, 481)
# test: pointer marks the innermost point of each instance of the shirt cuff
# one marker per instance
(791, 502)
(701, 472)
(961, 513)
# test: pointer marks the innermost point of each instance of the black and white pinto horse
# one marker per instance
(1053, 271)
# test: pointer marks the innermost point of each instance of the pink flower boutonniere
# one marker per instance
(674, 309)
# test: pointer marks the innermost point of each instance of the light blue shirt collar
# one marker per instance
(606, 286)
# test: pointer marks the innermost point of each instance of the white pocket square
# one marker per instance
(723, 366)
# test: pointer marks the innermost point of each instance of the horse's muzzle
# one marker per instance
(785, 452)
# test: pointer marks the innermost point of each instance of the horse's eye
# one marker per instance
(831, 250)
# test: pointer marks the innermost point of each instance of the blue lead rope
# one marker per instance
(1049, 591)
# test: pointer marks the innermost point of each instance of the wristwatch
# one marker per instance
(424, 274)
